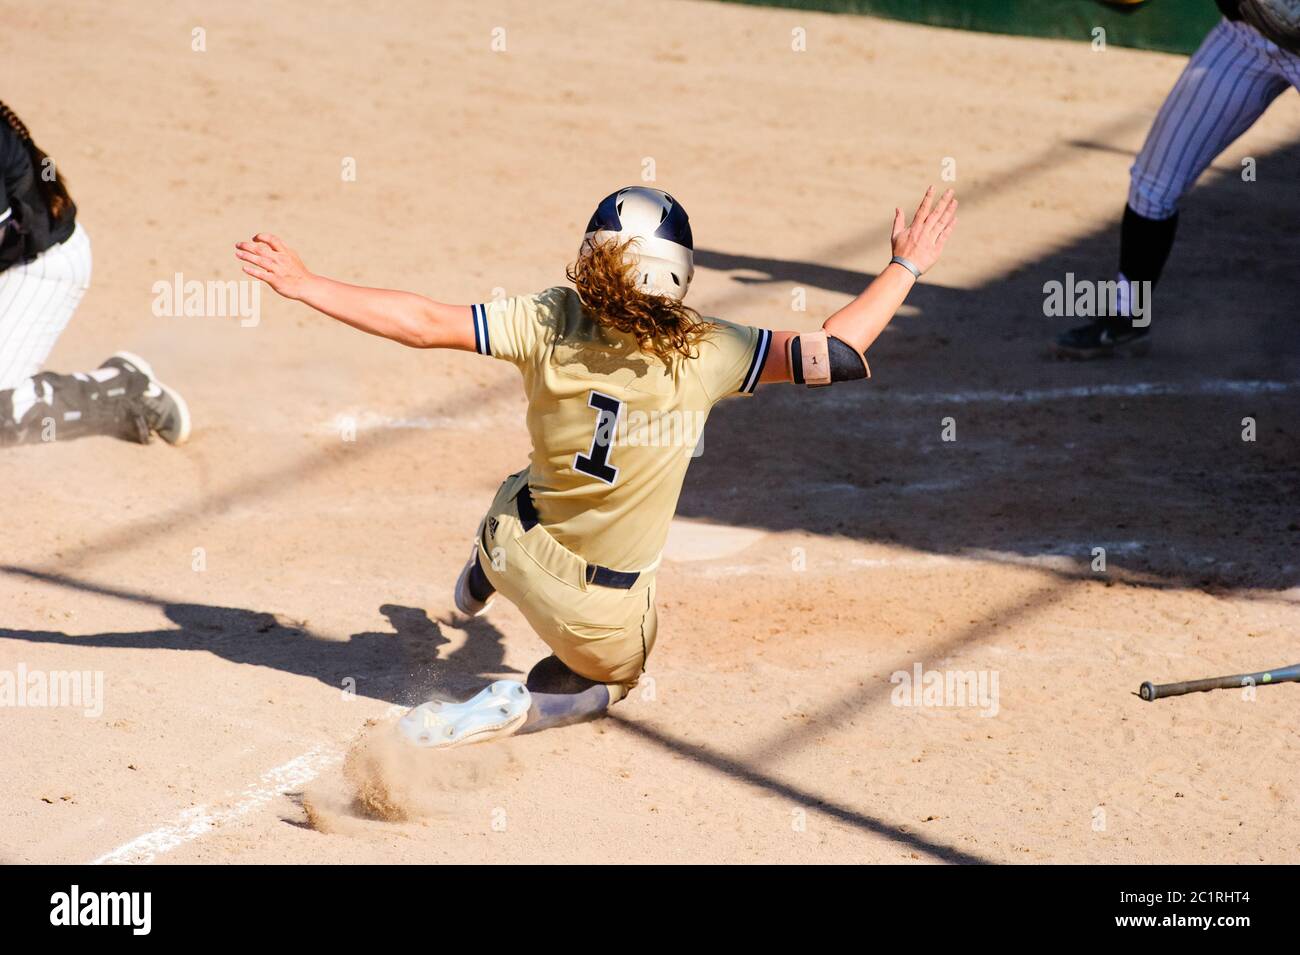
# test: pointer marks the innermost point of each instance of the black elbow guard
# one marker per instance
(819, 359)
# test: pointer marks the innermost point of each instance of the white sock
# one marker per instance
(1124, 298)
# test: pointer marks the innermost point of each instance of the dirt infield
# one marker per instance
(233, 591)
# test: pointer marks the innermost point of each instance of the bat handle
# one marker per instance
(1157, 691)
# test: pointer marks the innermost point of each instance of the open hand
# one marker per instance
(921, 243)
(267, 258)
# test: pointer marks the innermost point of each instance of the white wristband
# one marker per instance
(906, 264)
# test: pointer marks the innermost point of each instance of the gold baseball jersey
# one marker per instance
(613, 429)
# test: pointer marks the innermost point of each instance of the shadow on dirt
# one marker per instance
(1148, 458)
(405, 665)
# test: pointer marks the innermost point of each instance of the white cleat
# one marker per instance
(494, 713)
(464, 600)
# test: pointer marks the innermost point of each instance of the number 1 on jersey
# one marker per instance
(596, 461)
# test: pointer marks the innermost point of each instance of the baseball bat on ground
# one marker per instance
(1157, 691)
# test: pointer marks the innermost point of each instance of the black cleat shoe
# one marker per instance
(1102, 338)
(164, 410)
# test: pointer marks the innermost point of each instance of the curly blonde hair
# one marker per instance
(605, 277)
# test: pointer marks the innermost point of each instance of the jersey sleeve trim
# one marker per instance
(756, 365)
(482, 343)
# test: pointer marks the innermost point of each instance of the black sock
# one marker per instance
(1144, 245)
(480, 588)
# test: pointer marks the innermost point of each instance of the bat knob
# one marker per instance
(1147, 691)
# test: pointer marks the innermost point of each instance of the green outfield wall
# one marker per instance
(1175, 26)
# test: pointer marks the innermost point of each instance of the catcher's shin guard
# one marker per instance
(52, 407)
(498, 710)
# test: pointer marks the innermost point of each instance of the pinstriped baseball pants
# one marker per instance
(36, 301)
(1225, 87)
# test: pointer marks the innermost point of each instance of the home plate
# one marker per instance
(693, 540)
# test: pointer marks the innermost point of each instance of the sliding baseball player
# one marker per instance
(619, 375)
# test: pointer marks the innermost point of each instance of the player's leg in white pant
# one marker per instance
(1225, 87)
(1289, 64)
(37, 300)
(122, 398)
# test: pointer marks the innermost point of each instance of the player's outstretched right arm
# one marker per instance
(400, 316)
(858, 324)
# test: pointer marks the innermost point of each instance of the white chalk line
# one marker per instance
(199, 821)
(1213, 388)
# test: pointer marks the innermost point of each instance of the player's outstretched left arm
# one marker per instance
(404, 317)
(839, 350)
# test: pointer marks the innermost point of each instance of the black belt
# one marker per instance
(596, 574)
